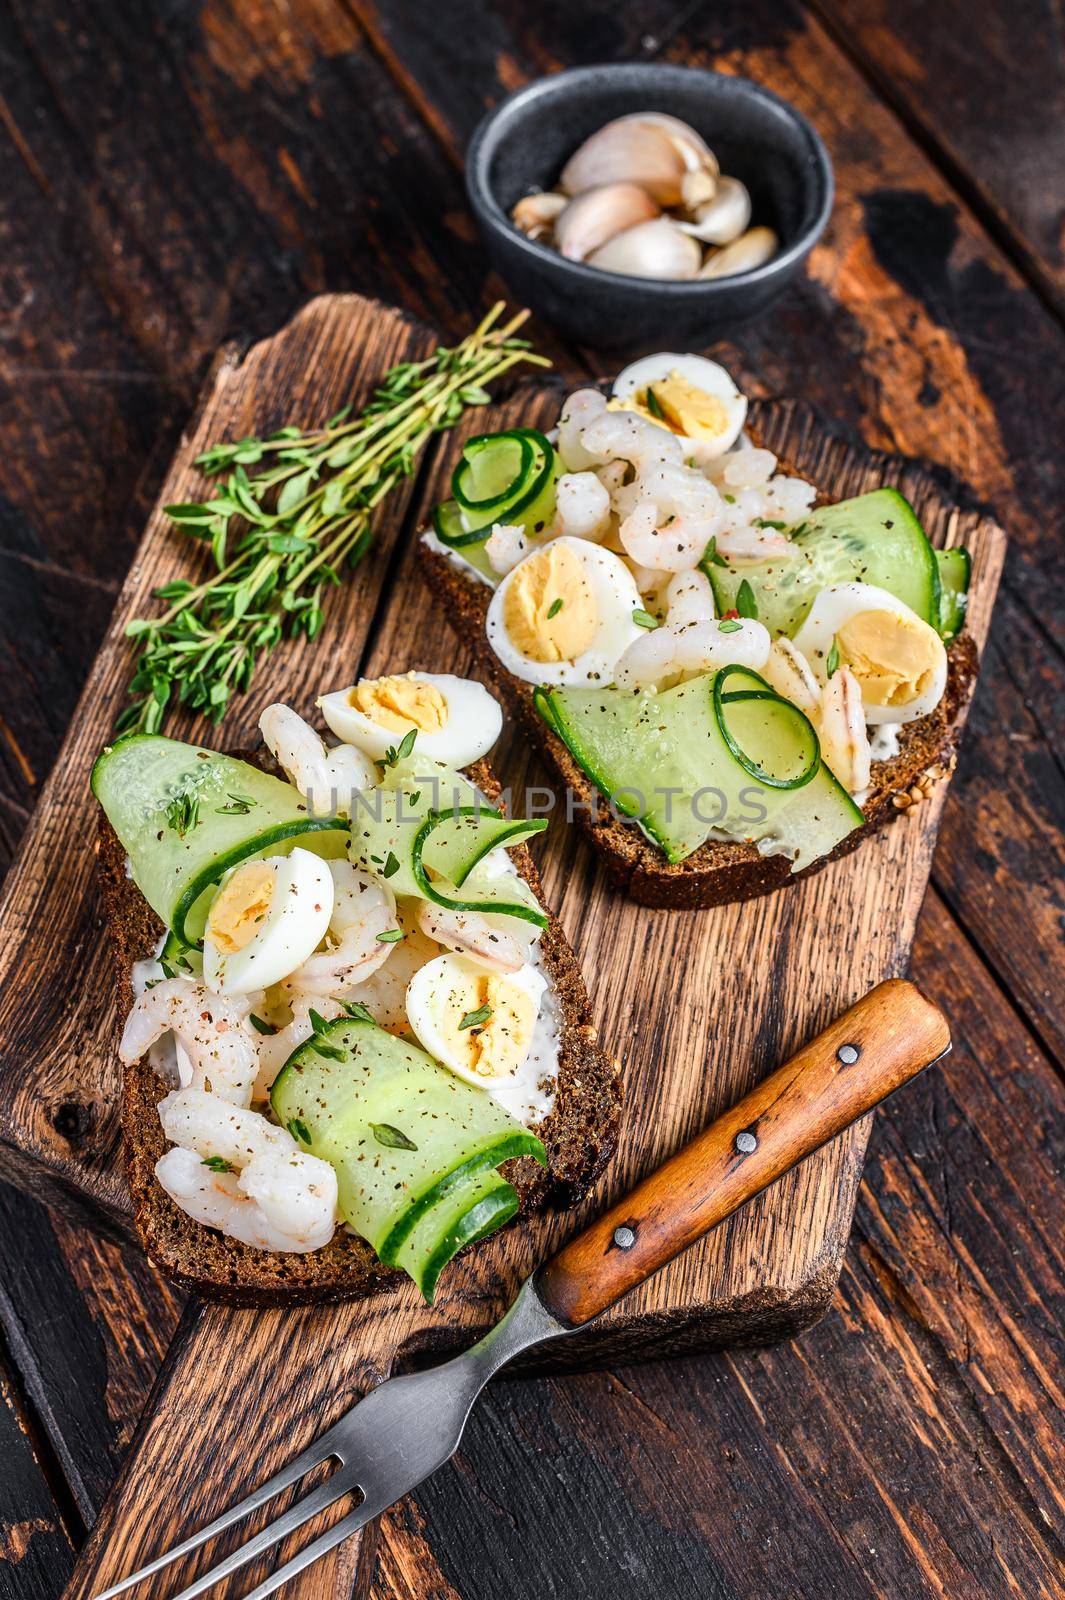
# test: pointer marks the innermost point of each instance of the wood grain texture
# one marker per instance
(62, 1119)
(912, 331)
(929, 67)
(876, 1046)
(909, 1444)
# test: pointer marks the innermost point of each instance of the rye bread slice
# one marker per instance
(579, 1134)
(718, 872)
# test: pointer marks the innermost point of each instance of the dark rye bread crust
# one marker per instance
(579, 1134)
(718, 872)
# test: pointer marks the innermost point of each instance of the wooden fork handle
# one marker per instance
(866, 1054)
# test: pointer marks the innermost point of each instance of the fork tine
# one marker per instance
(272, 1535)
(316, 1549)
(317, 1452)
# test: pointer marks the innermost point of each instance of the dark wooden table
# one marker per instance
(178, 172)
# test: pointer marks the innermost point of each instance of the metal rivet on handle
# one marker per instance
(624, 1238)
(848, 1054)
(746, 1143)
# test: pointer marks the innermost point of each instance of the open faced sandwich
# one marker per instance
(355, 1037)
(734, 681)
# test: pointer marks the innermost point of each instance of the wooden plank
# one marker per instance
(909, 1444)
(35, 1551)
(988, 103)
(726, 1285)
(86, 1324)
(912, 332)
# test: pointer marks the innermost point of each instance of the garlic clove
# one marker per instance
(697, 189)
(724, 218)
(536, 214)
(646, 148)
(597, 215)
(657, 249)
(752, 249)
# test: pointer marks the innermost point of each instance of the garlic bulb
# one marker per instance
(723, 218)
(647, 148)
(752, 249)
(535, 215)
(658, 249)
(597, 215)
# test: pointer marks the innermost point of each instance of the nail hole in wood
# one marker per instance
(72, 1121)
(848, 1054)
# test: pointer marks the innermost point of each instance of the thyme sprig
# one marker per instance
(281, 533)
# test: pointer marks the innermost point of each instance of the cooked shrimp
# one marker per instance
(470, 933)
(841, 727)
(746, 469)
(750, 543)
(790, 674)
(326, 778)
(274, 1196)
(689, 598)
(788, 499)
(210, 1031)
(577, 412)
(364, 908)
(505, 546)
(624, 436)
(384, 993)
(674, 519)
(668, 655)
(275, 1048)
(582, 506)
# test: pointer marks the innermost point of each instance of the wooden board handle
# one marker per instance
(865, 1055)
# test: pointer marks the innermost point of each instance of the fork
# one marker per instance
(408, 1426)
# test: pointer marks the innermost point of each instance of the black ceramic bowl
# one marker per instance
(524, 143)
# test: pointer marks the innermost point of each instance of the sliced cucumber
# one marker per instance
(434, 854)
(186, 815)
(428, 828)
(955, 569)
(502, 477)
(460, 1218)
(494, 470)
(719, 753)
(875, 538)
(412, 1145)
(447, 524)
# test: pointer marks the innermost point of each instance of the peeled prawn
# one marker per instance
(210, 1032)
(667, 656)
(689, 598)
(275, 1048)
(582, 505)
(364, 908)
(676, 515)
(273, 1196)
(624, 436)
(577, 412)
(328, 779)
(842, 730)
(752, 544)
(470, 933)
(505, 546)
(790, 674)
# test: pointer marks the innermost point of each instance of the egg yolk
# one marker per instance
(240, 906)
(682, 407)
(893, 657)
(549, 611)
(399, 703)
(496, 1047)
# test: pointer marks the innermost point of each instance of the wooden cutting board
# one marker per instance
(697, 1005)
